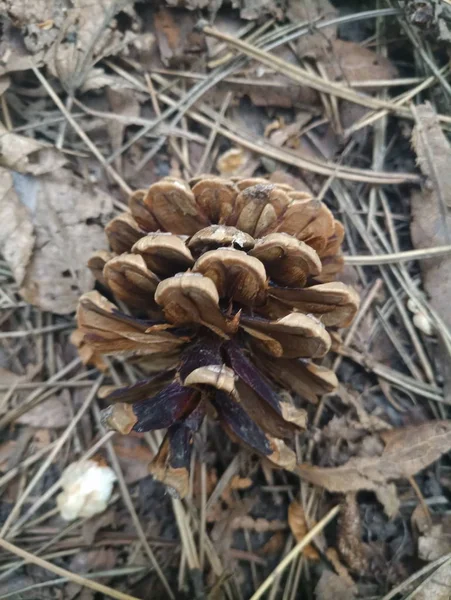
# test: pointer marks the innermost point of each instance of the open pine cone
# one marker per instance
(230, 287)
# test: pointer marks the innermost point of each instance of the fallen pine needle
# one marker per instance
(295, 551)
(40, 562)
(388, 259)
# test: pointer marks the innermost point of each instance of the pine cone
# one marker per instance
(230, 287)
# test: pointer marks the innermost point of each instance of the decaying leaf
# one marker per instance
(298, 526)
(407, 451)
(316, 43)
(339, 567)
(354, 62)
(134, 457)
(431, 217)
(434, 540)
(27, 155)
(51, 225)
(69, 41)
(388, 497)
(430, 142)
(350, 542)
(333, 587)
(437, 586)
(178, 40)
(52, 413)
(236, 162)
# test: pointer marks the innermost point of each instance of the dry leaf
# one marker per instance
(407, 451)
(53, 413)
(275, 544)
(240, 483)
(429, 141)
(436, 542)
(435, 538)
(178, 41)
(388, 497)
(52, 224)
(26, 155)
(298, 526)
(315, 43)
(350, 542)
(353, 62)
(339, 567)
(334, 587)
(134, 456)
(7, 450)
(236, 162)
(258, 525)
(429, 227)
(437, 586)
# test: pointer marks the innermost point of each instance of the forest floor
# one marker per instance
(350, 102)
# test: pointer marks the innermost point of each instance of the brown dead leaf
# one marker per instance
(429, 141)
(388, 497)
(350, 542)
(437, 586)
(339, 567)
(431, 219)
(90, 527)
(333, 587)
(315, 43)
(275, 544)
(436, 541)
(7, 450)
(69, 41)
(296, 183)
(240, 483)
(435, 535)
(53, 413)
(349, 61)
(134, 456)
(26, 155)
(407, 451)
(52, 224)
(298, 526)
(179, 43)
(236, 162)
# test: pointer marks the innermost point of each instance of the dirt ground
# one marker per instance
(349, 101)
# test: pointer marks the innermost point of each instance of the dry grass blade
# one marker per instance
(92, 585)
(397, 257)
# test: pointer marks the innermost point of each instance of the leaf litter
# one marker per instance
(378, 446)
